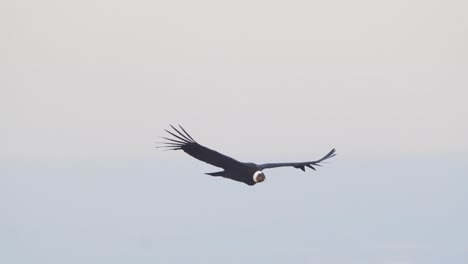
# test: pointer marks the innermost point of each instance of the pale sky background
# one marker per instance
(88, 86)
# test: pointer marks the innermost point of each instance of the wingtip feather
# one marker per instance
(187, 133)
(180, 138)
(181, 134)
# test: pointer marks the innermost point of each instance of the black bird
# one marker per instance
(248, 173)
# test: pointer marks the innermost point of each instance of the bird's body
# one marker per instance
(242, 172)
(246, 172)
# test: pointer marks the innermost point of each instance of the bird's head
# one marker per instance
(258, 176)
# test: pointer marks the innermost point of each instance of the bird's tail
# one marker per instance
(219, 173)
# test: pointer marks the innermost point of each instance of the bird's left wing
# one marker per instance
(299, 165)
(185, 142)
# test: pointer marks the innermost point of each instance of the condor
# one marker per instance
(246, 172)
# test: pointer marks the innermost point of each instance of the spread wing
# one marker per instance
(182, 140)
(299, 165)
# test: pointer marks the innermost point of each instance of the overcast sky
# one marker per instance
(87, 87)
(101, 79)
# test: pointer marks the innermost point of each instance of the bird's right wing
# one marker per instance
(186, 143)
(299, 165)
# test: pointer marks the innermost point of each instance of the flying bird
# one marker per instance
(246, 172)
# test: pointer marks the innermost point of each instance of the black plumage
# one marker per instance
(248, 173)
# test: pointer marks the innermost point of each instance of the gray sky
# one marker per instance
(100, 79)
(386, 212)
(88, 86)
